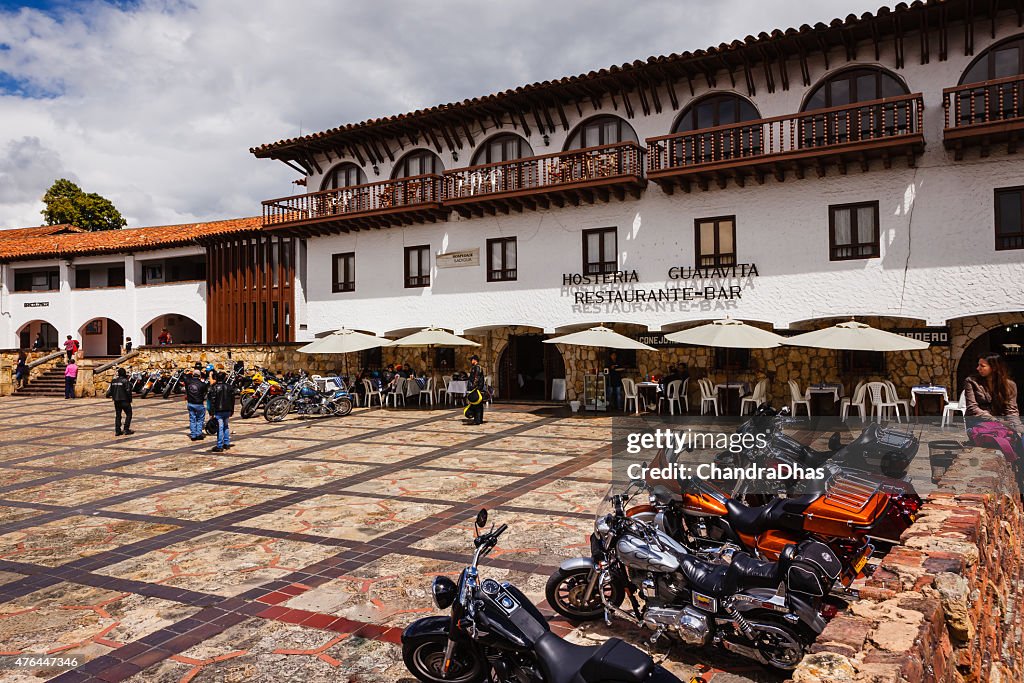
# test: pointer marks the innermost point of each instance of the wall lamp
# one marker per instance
(455, 155)
(376, 169)
(546, 139)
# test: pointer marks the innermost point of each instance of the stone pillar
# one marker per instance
(65, 273)
(84, 385)
(6, 379)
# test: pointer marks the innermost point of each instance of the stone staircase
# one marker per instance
(49, 383)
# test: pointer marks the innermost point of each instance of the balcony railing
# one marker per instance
(879, 123)
(983, 112)
(575, 168)
(387, 196)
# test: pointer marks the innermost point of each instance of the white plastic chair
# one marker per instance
(372, 391)
(882, 401)
(428, 391)
(756, 398)
(904, 402)
(445, 379)
(398, 393)
(951, 407)
(708, 395)
(682, 394)
(797, 398)
(487, 383)
(671, 397)
(856, 401)
(630, 393)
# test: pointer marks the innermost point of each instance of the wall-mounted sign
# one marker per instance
(740, 270)
(704, 284)
(459, 259)
(36, 304)
(936, 336)
(657, 340)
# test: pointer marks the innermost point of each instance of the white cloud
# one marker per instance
(155, 104)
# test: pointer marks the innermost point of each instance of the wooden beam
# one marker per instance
(629, 105)
(290, 164)
(469, 136)
(644, 104)
(354, 152)
(433, 137)
(522, 119)
(561, 115)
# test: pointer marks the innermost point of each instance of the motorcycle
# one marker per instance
(305, 398)
(769, 612)
(174, 383)
(137, 380)
(153, 383)
(262, 390)
(494, 633)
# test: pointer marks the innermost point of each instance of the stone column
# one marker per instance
(84, 385)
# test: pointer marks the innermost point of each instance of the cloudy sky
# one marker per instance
(155, 103)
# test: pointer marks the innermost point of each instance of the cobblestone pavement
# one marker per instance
(300, 554)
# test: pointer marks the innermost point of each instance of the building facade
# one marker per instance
(865, 168)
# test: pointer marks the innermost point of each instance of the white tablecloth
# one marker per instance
(457, 386)
(931, 391)
(742, 386)
(835, 389)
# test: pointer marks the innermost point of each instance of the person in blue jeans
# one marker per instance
(196, 388)
(222, 401)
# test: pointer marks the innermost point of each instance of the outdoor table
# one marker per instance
(412, 387)
(729, 395)
(653, 387)
(936, 396)
(457, 387)
(824, 398)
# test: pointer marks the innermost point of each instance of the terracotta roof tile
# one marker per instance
(652, 65)
(46, 242)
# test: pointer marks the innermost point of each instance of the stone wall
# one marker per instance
(946, 604)
(8, 362)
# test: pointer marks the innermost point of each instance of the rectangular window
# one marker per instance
(600, 251)
(1010, 218)
(716, 241)
(82, 278)
(417, 266)
(732, 360)
(853, 231)
(37, 280)
(115, 276)
(501, 259)
(344, 270)
(862, 362)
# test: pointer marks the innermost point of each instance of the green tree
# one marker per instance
(67, 203)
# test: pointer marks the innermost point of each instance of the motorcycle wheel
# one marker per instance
(249, 407)
(782, 648)
(565, 589)
(167, 390)
(277, 409)
(424, 658)
(145, 390)
(342, 407)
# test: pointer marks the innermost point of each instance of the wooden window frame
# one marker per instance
(717, 255)
(1002, 238)
(337, 285)
(501, 272)
(833, 247)
(603, 262)
(415, 281)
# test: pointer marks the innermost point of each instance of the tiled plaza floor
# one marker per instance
(300, 554)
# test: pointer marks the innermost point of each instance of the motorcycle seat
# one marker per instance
(744, 572)
(614, 660)
(754, 573)
(778, 514)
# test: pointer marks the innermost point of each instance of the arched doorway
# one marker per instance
(101, 337)
(1007, 340)
(181, 328)
(30, 330)
(526, 368)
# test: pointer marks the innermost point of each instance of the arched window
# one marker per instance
(854, 124)
(503, 147)
(850, 86)
(419, 162)
(993, 102)
(719, 109)
(343, 175)
(601, 130)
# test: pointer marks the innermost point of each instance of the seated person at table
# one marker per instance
(672, 376)
(684, 373)
(387, 378)
(404, 371)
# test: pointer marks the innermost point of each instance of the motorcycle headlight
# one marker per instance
(603, 527)
(444, 592)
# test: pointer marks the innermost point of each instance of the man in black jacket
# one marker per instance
(222, 402)
(476, 388)
(122, 395)
(196, 387)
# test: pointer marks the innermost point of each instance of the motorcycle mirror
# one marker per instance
(481, 518)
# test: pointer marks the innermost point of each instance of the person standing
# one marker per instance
(196, 388)
(127, 344)
(121, 393)
(165, 337)
(222, 400)
(475, 388)
(615, 388)
(39, 343)
(70, 377)
(71, 348)
(21, 370)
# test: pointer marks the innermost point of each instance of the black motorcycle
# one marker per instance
(174, 383)
(769, 612)
(154, 383)
(137, 380)
(495, 634)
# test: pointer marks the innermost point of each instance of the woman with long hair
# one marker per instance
(991, 392)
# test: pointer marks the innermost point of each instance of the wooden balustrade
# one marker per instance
(383, 196)
(532, 174)
(984, 113)
(806, 135)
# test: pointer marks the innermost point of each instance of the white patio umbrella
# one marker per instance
(344, 341)
(855, 336)
(728, 333)
(433, 336)
(600, 336)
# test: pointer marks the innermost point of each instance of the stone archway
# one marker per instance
(974, 335)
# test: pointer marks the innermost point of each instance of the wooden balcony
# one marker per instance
(852, 134)
(983, 114)
(581, 175)
(360, 207)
